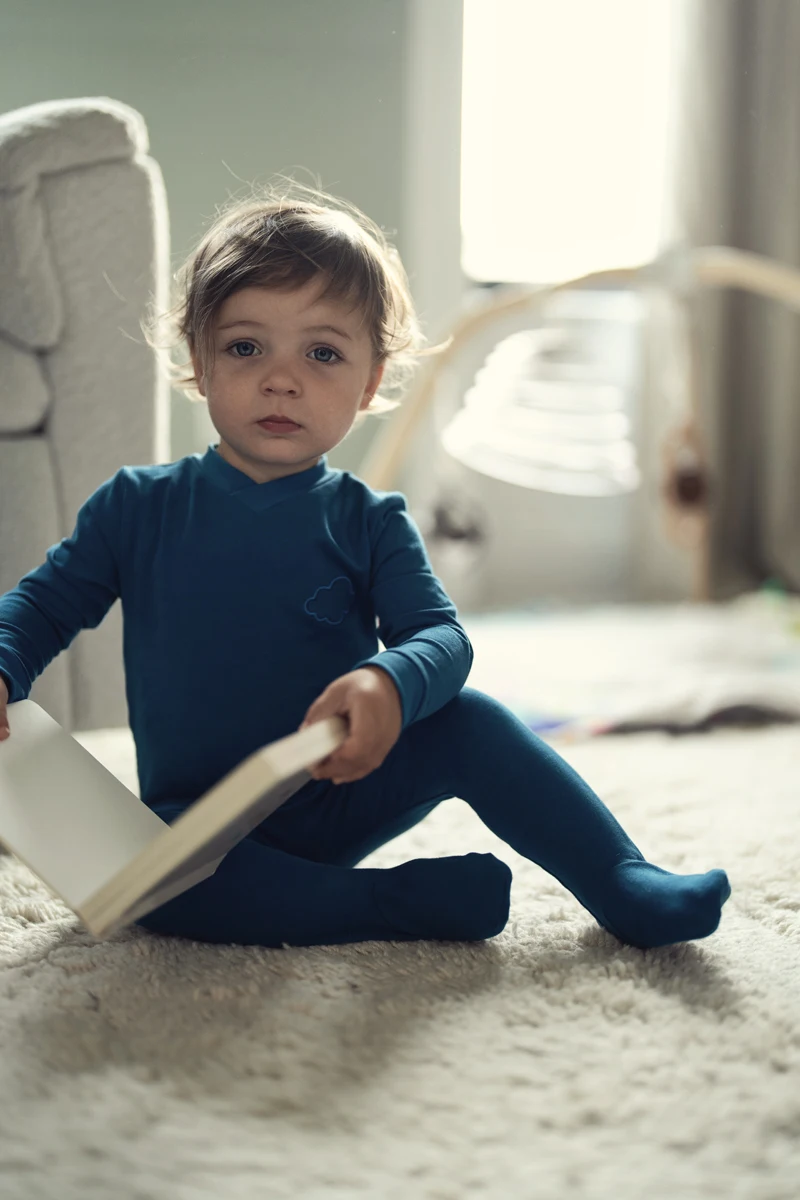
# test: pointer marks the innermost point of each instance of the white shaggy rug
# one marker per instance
(549, 1062)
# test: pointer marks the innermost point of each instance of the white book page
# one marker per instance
(62, 812)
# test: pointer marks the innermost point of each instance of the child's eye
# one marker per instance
(240, 343)
(327, 350)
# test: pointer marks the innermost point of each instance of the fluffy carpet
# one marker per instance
(548, 1062)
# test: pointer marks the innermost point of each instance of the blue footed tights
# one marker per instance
(291, 882)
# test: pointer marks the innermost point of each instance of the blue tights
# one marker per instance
(291, 881)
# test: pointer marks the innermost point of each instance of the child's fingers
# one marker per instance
(334, 767)
(344, 765)
(334, 762)
(329, 704)
(4, 730)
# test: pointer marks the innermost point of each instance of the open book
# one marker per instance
(98, 847)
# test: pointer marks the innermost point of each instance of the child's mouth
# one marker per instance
(278, 425)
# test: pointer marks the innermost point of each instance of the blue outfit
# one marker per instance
(242, 601)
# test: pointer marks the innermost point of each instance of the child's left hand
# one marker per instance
(370, 702)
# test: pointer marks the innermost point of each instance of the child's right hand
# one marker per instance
(5, 732)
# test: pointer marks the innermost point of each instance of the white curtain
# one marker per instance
(734, 179)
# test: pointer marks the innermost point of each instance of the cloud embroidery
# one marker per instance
(332, 602)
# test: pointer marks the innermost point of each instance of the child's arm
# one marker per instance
(73, 589)
(428, 654)
(427, 657)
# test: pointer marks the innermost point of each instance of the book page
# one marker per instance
(62, 812)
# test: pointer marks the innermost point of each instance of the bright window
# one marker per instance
(564, 135)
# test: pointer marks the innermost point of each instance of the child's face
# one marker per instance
(270, 361)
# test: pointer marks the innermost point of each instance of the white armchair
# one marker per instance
(84, 248)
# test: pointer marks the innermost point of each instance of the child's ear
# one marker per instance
(198, 374)
(372, 386)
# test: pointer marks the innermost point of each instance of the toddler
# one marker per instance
(255, 582)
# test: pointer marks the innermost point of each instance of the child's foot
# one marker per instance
(647, 906)
(462, 897)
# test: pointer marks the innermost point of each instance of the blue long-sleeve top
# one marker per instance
(241, 602)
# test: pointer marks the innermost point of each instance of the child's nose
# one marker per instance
(281, 381)
(276, 389)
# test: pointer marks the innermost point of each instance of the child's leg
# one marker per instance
(260, 895)
(475, 748)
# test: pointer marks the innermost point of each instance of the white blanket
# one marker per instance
(549, 1062)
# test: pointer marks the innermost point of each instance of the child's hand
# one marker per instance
(370, 702)
(4, 729)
